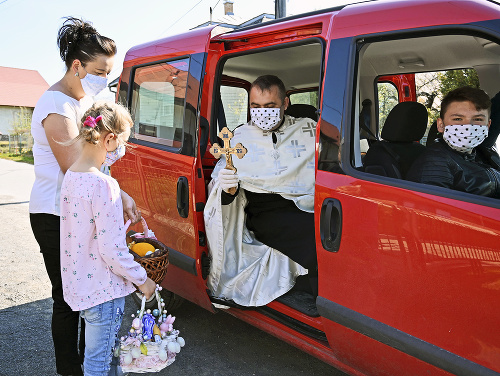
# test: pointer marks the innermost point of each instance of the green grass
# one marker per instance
(26, 158)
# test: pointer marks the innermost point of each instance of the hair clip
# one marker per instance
(91, 122)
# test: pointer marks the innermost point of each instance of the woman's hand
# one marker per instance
(129, 209)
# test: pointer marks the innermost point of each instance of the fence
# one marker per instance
(18, 144)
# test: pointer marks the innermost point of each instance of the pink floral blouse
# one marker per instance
(95, 263)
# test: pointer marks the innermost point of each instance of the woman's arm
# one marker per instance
(60, 129)
(129, 209)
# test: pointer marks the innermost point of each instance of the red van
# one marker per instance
(409, 274)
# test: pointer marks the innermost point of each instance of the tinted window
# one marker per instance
(158, 102)
(387, 99)
(309, 97)
(235, 102)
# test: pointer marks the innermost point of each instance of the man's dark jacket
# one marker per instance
(477, 173)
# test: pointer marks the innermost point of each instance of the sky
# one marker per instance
(28, 28)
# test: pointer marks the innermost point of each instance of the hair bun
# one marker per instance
(72, 33)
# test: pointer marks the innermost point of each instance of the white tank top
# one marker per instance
(46, 190)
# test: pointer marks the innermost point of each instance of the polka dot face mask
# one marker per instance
(464, 137)
(265, 118)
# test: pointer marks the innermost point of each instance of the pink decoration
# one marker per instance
(92, 122)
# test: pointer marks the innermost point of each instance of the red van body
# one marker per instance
(409, 274)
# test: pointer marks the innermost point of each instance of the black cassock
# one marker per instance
(280, 224)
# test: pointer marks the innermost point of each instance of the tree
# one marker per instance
(21, 125)
(388, 98)
(428, 93)
(433, 86)
(453, 79)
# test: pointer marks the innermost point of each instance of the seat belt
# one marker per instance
(364, 117)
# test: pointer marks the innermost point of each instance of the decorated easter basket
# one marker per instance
(156, 263)
(152, 343)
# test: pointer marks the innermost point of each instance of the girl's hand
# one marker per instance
(129, 209)
(148, 288)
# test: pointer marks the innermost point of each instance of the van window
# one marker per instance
(235, 102)
(308, 97)
(433, 86)
(475, 64)
(387, 99)
(158, 102)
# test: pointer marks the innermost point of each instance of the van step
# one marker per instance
(295, 324)
(301, 301)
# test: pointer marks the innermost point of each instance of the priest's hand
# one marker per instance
(228, 179)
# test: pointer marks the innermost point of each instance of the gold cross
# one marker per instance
(239, 150)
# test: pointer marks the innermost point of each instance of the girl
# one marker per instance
(88, 57)
(97, 269)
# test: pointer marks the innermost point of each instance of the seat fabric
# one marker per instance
(404, 127)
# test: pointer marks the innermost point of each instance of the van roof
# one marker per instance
(366, 17)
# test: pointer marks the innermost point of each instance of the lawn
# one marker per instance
(26, 158)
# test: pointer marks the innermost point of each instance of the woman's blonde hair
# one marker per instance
(102, 118)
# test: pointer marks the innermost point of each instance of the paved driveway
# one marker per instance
(215, 344)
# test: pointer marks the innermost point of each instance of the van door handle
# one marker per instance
(330, 224)
(183, 196)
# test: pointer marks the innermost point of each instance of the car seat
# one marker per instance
(432, 134)
(395, 153)
(302, 111)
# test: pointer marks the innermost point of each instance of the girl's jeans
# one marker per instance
(102, 323)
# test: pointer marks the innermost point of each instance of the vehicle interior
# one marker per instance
(408, 128)
(301, 75)
(407, 123)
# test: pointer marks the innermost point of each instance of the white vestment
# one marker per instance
(243, 269)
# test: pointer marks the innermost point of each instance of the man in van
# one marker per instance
(261, 238)
(457, 160)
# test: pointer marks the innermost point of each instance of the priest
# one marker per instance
(261, 237)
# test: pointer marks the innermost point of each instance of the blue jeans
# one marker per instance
(102, 323)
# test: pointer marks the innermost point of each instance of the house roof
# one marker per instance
(21, 87)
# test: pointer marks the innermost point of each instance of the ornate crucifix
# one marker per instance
(239, 150)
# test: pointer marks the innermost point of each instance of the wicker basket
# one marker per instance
(156, 264)
(155, 355)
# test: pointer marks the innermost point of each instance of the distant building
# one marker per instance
(18, 88)
(230, 21)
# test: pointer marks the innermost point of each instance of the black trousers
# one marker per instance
(68, 350)
(278, 223)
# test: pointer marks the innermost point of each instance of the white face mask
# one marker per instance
(113, 156)
(265, 118)
(93, 85)
(464, 137)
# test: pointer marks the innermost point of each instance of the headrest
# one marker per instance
(301, 111)
(406, 122)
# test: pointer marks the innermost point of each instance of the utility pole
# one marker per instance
(279, 8)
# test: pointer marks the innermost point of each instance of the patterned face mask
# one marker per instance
(113, 156)
(464, 137)
(265, 118)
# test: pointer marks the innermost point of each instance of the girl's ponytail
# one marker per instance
(102, 118)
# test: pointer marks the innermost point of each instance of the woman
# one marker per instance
(89, 58)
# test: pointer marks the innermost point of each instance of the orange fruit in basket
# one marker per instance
(142, 248)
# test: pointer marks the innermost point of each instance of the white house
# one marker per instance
(18, 88)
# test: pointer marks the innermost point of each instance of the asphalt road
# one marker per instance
(216, 344)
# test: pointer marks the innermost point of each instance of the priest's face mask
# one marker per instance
(267, 109)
